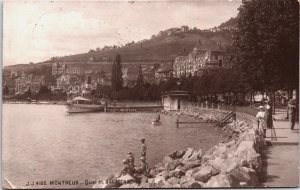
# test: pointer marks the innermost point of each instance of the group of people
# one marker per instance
(129, 166)
(264, 117)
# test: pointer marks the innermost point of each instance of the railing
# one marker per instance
(246, 114)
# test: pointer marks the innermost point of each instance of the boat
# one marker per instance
(156, 122)
(43, 102)
(82, 105)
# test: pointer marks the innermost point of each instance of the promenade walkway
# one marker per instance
(281, 159)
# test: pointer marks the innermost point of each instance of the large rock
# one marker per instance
(126, 179)
(173, 180)
(167, 159)
(196, 155)
(221, 181)
(245, 176)
(191, 164)
(176, 173)
(177, 154)
(154, 172)
(172, 165)
(189, 182)
(205, 173)
(164, 174)
(218, 163)
(159, 179)
(144, 185)
(187, 154)
(209, 154)
(248, 156)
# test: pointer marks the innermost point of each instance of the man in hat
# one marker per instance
(261, 121)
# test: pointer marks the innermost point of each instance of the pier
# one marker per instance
(132, 108)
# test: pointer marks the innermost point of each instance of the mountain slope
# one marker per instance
(160, 49)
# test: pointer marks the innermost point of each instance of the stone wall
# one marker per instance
(235, 163)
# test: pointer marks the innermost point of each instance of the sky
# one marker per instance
(35, 31)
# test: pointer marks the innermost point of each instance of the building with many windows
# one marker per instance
(200, 60)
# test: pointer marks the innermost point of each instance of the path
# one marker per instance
(282, 157)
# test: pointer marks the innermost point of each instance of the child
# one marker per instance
(261, 119)
(144, 148)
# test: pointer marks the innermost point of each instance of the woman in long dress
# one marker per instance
(261, 120)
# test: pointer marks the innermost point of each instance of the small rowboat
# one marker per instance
(156, 122)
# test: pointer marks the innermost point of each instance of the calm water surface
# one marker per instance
(43, 142)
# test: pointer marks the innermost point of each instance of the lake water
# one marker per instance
(43, 142)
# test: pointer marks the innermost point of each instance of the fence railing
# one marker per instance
(246, 114)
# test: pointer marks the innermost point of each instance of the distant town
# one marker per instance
(61, 77)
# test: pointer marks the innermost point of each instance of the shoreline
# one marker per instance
(234, 163)
(38, 102)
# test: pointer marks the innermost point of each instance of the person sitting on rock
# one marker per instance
(128, 168)
(131, 158)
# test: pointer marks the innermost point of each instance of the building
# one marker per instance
(70, 70)
(130, 75)
(9, 85)
(63, 82)
(36, 83)
(58, 68)
(164, 72)
(23, 84)
(200, 61)
(184, 28)
(175, 100)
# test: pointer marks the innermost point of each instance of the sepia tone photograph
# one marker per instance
(150, 94)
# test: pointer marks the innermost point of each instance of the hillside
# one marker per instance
(155, 50)
(160, 49)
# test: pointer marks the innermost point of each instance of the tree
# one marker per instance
(266, 42)
(91, 51)
(116, 77)
(140, 77)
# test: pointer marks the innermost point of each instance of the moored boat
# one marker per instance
(82, 105)
(156, 122)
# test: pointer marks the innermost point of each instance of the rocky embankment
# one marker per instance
(236, 163)
(198, 115)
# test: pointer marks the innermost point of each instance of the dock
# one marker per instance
(132, 108)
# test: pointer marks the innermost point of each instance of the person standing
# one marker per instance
(144, 148)
(261, 119)
(268, 116)
(292, 113)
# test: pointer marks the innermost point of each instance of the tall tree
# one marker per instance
(266, 43)
(140, 78)
(113, 76)
(116, 76)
